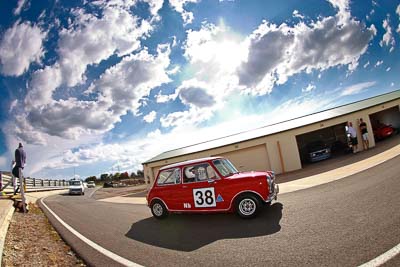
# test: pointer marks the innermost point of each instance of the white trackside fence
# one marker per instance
(8, 184)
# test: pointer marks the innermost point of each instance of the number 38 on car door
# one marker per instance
(204, 197)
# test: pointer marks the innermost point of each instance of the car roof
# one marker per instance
(188, 162)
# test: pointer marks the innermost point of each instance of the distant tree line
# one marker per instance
(106, 177)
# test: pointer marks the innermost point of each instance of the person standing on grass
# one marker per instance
(364, 133)
(353, 136)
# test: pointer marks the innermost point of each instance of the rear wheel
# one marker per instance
(247, 206)
(158, 209)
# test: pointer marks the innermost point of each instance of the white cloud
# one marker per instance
(20, 46)
(387, 39)
(149, 118)
(398, 13)
(20, 5)
(388, 69)
(42, 159)
(309, 88)
(343, 7)
(160, 98)
(182, 119)
(195, 93)
(378, 63)
(118, 91)
(178, 5)
(297, 14)
(174, 70)
(291, 50)
(366, 64)
(215, 46)
(90, 39)
(373, 29)
(357, 88)
(42, 85)
(13, 105)
(155, 6)
(24, 131)
(126, 83)
(224, 62)
(214, 53)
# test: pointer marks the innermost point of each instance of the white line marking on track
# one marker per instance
(95, 189)
(383, 258)
(92, 244)
(135, 193)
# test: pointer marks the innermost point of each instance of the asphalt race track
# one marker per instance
(343, 223)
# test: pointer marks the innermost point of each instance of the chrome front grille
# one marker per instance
(271, 182)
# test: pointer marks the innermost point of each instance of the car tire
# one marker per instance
(247, 206)
(158, 209)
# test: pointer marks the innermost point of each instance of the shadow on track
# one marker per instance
(188, 232)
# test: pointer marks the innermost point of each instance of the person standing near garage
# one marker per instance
(364, 133)
(353, 136)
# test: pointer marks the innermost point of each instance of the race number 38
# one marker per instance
(204, 197)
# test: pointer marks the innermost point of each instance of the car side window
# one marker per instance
(168, 177)
(198, 173)
(221, 167)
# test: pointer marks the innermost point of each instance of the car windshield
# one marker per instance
(225, 167)
(75, 183)
(317, 145)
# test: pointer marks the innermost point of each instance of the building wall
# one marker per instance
(277, 152)
(251, 158)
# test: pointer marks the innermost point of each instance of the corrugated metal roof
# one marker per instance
(279, 127)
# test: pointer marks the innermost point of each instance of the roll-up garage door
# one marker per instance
(249, 159)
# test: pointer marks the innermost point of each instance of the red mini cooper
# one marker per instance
(210, 185)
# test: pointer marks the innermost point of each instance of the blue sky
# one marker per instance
(101, 86)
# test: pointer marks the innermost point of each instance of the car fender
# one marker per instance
(245, 192)
(157, 198)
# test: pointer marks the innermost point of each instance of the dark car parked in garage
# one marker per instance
(317, 151)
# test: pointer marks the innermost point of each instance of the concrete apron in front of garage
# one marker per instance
(321, 173)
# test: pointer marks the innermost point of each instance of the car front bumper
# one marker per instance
(75, 192)
(274, 195)
(320, 157)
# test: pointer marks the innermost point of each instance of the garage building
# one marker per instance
(282, 147)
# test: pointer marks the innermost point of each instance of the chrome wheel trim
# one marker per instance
(158, 209)
(247, 206)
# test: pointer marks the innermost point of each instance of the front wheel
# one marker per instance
(158, 209)
(247, 206)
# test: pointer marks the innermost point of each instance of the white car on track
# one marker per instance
(76, 187)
